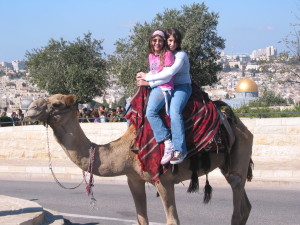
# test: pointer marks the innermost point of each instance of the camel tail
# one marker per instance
(250, 170)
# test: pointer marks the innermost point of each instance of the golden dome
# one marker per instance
(246, 85)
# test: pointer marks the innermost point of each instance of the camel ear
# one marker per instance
(70, 100)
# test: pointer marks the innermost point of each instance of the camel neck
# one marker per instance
(74, 142)
(109, 158)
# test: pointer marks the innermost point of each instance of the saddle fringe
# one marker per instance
(194, 167)
(207, 191)
(194, 183)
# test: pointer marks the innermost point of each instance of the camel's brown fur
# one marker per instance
(115, 158)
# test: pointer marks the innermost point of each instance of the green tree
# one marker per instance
(291, 58)
(287, 65)
(10, 84)
(269, 98)
(69, 67)
(201, 42)
(105, 103)
(227, 68)
(120, 102)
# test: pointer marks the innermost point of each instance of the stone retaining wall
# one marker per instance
(274, 139)
(33, 141)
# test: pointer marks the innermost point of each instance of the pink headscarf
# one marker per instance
(160, 33)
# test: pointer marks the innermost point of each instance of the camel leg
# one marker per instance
(241, 204)
(240, 156)
(137, 188)
(167, 196)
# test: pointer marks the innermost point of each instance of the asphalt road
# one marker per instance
(272, 204)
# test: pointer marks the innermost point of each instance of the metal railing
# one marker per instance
(122, 119)
(269, 114)
(27, 122)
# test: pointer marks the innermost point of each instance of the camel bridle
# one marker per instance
(52, 111)
(89, 184)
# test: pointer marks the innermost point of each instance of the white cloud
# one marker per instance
(266, 28)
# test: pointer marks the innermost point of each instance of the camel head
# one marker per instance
(51, 109)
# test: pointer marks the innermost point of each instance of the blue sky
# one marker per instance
(246, 25)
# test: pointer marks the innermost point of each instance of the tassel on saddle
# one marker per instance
(207, 191)
(194, 167)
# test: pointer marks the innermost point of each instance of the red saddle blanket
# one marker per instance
(201, 121)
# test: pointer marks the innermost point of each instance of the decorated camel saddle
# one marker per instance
(206, 130)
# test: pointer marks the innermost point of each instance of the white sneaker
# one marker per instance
(168, 153)
(178, 157)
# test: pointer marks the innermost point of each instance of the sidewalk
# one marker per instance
(16, 211)
(24, 212)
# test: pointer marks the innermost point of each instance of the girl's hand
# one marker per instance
(141, 75)
(141, 82)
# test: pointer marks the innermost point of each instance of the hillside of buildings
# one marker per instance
(226, 87)
(237, 67)
(17, 92)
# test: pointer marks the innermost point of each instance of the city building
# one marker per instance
(265, 53)
(18, 65)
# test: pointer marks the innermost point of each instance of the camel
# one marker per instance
(115, 159)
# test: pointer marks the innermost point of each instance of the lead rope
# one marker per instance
(89, 185)
(51, 169)
(90, 171)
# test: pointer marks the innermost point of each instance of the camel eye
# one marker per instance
(56, 105)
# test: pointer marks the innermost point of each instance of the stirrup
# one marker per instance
(174, 168)
(135, 151)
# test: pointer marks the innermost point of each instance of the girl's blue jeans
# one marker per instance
(155, 102)
(179, 100)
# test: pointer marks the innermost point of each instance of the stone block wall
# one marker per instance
(33, 141)
(274, 139)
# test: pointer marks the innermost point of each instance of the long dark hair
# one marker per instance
(163, 50)
(177, 36)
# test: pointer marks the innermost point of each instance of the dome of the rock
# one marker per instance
(246, 85)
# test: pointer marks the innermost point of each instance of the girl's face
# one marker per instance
(157, 43)
(171, 43)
